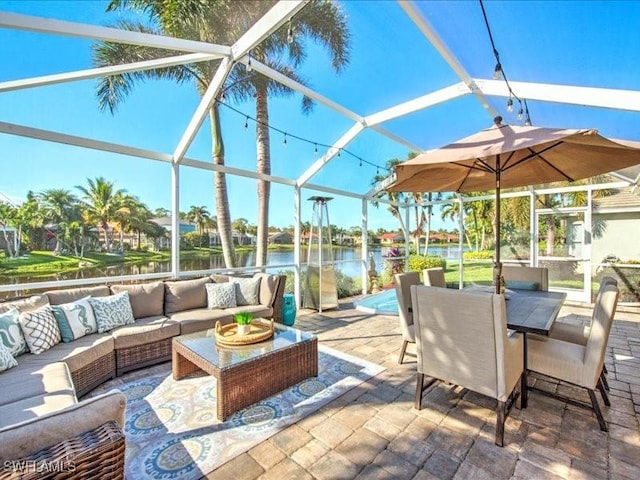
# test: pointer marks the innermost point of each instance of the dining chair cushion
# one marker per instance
(522, 285)
(556, 358)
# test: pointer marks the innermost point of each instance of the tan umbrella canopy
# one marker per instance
(505, 156)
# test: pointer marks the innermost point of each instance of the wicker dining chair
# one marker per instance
(580, 365)
(526, 278)
(403, 282)
(434, 277)
(461, 338)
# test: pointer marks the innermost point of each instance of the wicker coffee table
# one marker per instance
(247, 374)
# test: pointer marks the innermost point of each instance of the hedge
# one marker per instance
(481, 255)
(417, 263)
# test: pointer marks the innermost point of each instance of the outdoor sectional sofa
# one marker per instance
(40, 414)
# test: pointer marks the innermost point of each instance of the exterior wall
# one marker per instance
(621, 237)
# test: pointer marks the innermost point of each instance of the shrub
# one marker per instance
(481, 255)
(417, 263)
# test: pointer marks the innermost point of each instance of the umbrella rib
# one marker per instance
(473, 167)
(539, 154)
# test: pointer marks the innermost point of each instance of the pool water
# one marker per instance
(384, 303)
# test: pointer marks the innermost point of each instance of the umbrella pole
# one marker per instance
(497, 269)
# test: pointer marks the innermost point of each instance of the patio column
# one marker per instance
(296, 244)
(533, 229)
(407, 245)
(460, 241)
(365, 247)
(175, 219)
(588, 236)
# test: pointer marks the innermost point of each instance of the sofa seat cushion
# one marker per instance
(36, 406)
(256, 310)
(29, 380)
(145, 330)
(201, 319)
(68, 295)
(76, 354)
(147, 299)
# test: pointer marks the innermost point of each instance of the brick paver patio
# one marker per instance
(373, 431)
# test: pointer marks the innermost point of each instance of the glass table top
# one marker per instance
(204, 345)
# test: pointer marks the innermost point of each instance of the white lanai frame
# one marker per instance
(269, 23)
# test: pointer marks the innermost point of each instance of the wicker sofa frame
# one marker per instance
(99, 453)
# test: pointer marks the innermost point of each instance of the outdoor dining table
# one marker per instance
(528, 311)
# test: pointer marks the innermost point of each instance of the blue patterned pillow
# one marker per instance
(75, 319)
(7, 360)
(112, 311)
(11, 335)
(40, 329)
(221, 295)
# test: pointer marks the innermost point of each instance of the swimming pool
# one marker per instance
(384, 303)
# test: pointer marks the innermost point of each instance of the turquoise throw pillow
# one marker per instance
(7, 360)
(522, 285)
(75, 319)
(11, 335)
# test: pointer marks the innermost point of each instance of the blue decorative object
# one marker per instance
(288, 309)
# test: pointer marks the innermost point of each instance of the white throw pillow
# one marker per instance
(11, 335)
(7, 360)
(40, 329)
(247, 290)
(221, 295)
(75, 319)
(112, 311)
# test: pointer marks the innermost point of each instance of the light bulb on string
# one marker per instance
(510, 104)
(527, 122)
(249, 66)
(222, 96)
(290, 33)
(497, 72)
(520, 113)
(339, 152)
(246, 122)
(315, 148)
(377, 170)
(360, 162)
(284, 141)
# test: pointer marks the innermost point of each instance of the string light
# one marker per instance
(316, 144)
(499, 74)
(290, 33)
(246, 122)
(249, 66)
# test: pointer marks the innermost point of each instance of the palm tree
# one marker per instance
(102, 201)
(7, 218)
(325, 23)
(57, 205)
(200, 216)
(221, 22)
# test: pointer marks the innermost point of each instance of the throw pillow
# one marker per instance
(75, 319)
(7, 359)
(522, 285)
(112, 311)
(221, 295)
(40, 329)
(11, 335)
(247, 290)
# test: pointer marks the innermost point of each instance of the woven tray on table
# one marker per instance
(261, 330)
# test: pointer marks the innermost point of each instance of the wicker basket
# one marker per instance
(261, 330)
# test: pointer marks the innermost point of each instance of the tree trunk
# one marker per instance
(551, 235)
(263, 166)
(222, 203)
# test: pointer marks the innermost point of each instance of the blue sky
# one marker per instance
(579, 43)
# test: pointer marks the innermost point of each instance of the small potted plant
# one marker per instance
(243, 321)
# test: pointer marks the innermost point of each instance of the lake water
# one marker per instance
(348, 261)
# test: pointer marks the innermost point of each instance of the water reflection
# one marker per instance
(216, 261)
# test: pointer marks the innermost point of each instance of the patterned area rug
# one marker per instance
(173, 433)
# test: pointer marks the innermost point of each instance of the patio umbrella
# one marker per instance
(505, 156)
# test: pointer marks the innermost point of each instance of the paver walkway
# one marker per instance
(373, 432)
